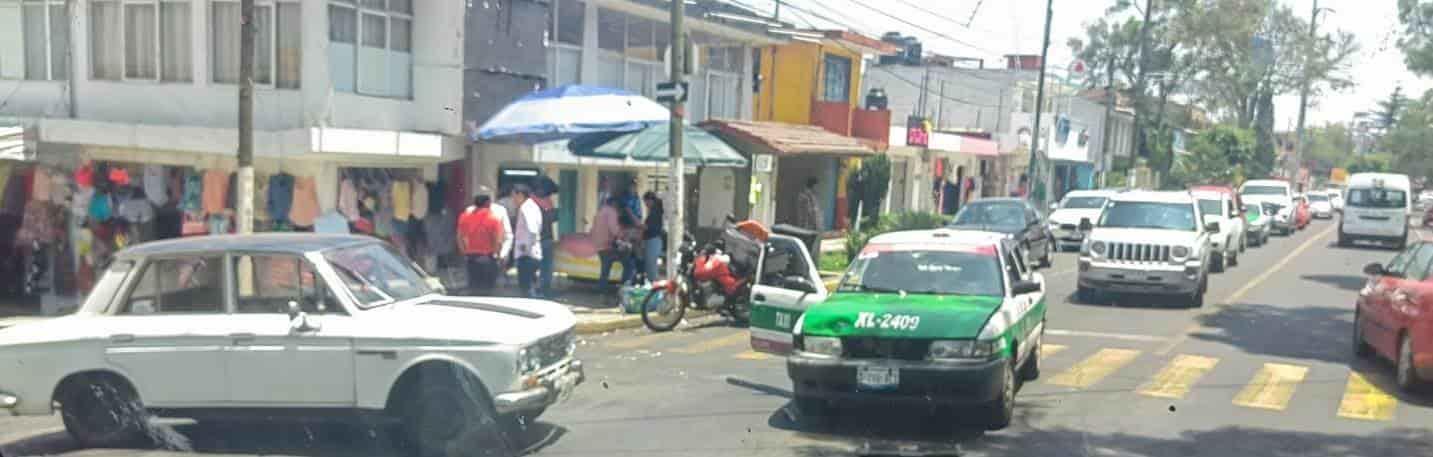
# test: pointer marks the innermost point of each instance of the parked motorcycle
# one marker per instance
(717, 277)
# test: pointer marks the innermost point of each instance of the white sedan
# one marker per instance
(331, 325)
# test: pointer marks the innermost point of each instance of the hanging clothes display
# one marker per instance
(280, 197)
(348, 200)
(420, 200)
(401, 196)
(40, 185)
(156, 185)
(215, 190)
(193, 200)
(304, 209)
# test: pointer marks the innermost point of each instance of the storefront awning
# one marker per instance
(948, 142)
(782, 139)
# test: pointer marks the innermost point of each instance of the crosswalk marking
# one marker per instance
(1363, 400)
(1272, 387)
(1049, 350)
(714, 343)
(752, 355)
(1094, 368)
(1175, 379)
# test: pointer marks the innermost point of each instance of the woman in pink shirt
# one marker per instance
(608, 237)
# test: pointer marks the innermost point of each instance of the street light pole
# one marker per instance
(1035, 166)
(245, 198)
(677, 192)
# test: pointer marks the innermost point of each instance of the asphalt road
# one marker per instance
(1263, 369)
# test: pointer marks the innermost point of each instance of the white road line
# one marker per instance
(1113, 336)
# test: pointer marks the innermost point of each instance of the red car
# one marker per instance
(1302, 214)
(1393, 316)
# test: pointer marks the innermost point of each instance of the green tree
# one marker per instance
(1407, 140)
(1416, 38)
(1390, 108)
(1329, 146)
(1216, 156)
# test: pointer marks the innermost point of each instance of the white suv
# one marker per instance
(335, 326)
(1149, 243)
(1226, 246)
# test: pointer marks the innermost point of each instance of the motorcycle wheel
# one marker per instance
(662, 311)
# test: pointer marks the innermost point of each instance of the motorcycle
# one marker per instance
(718, 277)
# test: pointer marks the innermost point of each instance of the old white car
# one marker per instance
(289, 325)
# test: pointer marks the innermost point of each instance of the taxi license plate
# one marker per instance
(877, 378)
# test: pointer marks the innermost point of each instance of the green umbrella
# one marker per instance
(699, 148)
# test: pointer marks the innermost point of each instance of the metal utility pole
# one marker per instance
(1039, 108)
(245, 200)
(1303, 101)
(1139, 84)
(677, 193)
(1106, 137)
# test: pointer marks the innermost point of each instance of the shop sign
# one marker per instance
(917, 131)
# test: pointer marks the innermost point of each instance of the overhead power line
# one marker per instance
(921, 27)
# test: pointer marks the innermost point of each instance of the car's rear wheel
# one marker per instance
(451, 415)
(1408, 380)
(102, 411)
(1361, 348)
(1000, 411)
(1216, 262)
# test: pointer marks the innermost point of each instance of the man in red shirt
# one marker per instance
(482, 238)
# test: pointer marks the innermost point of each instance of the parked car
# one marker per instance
(1391, 320)
(1065, 216)
(1377, 209)
(1149, 243)
(1320, 206)
(1302, 213)
(953, 318)
(1257, 223)
(337, 326)
(1014, 217)
(1220, 207)
(1336, 199)
(1277, 192)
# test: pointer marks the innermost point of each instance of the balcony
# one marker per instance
(843, 119)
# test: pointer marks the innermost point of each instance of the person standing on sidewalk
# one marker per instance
(607, 237)
(545, 192)
(808, 207)
(654, 234)
(482, 238)
(527, 248)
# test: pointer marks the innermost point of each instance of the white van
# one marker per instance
(1376, 207)
(1273, 191)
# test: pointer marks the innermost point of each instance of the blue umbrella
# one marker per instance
(568, 111)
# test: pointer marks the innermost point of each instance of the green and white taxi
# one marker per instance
(932, 318)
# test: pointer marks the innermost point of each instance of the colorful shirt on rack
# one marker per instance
(193, 192)
(156, 185)
(348, 200)
(420, 200)
(281, 196)
(402, 200)
(304, 209)
(215, 190)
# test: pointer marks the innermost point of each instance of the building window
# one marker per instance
(371, 47)
(567, 17)
(836, 79)
(34, 40)
(277, 43)
(143, 40)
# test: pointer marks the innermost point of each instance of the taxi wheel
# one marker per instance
(999, 412)
(1408, 380)
(1030, 370)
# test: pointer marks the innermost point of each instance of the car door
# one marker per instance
(170, 330)
(274, 360)
(1376, 319)
(1021, 304)
(786, 284)
(1410, 296)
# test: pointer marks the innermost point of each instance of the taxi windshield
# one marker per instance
(924, 272)
(1149, 215)
(376, 275)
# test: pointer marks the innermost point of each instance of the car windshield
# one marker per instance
(1209, 207)
(1001, 214)
(1264, 190)
(1376, 198)
(1082, 202)
(1318, 198)
(1148, 215)
(924, 272)
(376, 275)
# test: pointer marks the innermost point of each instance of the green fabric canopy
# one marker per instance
(699, 148)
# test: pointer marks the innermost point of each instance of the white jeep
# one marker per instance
(1148, 243)
(289, 325)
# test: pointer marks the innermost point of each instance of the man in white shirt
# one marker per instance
(527, 239)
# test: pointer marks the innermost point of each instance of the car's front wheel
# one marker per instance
(1216, 262)
(1000, 411)
(446, 415)
(102, 411)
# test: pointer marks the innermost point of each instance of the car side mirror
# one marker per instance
(1212, 227)
(1086, 225)
(1374, 269)
(1024, 287)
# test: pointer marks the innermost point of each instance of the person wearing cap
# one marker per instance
(483, 238)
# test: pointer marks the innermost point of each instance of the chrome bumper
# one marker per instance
(552, 386)
(1140, 278)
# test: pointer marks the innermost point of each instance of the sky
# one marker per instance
(999, 27)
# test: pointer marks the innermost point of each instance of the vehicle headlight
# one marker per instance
(965, 349)
(1097, 247)
(1180, 252)
(528, 360)
(821, 345)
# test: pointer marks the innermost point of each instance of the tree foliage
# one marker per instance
(1391, 107)
(1329, 146)
(1220, 155)
(1407, 141)
(1416, 38)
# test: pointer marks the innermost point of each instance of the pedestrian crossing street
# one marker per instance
(1273, 386)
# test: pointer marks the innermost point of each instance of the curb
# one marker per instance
(625, 322)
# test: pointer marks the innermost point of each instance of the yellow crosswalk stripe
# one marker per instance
(1094, 368)
(752, 355)
(1272, 387)
(714, 343)
(1049, 350)
(1175, 379)
(1363, 400)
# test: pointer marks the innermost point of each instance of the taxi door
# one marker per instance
(787, 283)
